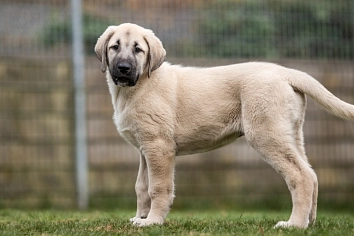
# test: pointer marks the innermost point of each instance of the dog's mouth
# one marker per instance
(124, 81)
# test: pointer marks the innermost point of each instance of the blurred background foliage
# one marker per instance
(58, 30)
(321, 31)
(229, 28)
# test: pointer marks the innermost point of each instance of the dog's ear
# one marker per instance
(156, 54)
(101, 46)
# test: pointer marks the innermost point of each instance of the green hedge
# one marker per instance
(248, 29)
(60, 31)
(277, 28)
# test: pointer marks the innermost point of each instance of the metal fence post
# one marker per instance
(80, 105)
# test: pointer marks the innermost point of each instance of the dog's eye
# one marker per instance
(115, 47)
(137, 49)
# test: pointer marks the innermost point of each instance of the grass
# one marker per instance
(53, 222)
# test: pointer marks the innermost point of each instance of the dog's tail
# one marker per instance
(310, 86)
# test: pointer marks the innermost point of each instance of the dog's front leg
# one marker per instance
(160, 159)
(141, 189)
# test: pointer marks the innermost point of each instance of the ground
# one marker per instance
(211, 222)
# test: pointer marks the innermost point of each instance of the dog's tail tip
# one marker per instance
(310, 86)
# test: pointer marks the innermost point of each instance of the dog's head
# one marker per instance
(129, 52)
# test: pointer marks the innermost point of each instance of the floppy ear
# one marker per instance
(156, 54)
(101, 46)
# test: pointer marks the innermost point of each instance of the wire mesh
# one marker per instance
(37, 106)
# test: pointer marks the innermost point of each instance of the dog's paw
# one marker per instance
(146, 222)
(136, 217)
(287, 224)
(282, 224)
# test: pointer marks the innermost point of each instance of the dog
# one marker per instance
(168, 110)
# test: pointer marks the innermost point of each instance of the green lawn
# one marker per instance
(52, 222)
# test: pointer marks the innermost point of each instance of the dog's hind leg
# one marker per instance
(301, 150)
(313, 212)
(298, 128)
(298, 175)
(141, 189)
(272, 134)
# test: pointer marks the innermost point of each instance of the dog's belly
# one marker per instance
(203, 140)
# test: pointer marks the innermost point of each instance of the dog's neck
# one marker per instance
(123, 93)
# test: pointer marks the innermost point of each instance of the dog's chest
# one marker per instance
(125, 121)
(126, 128)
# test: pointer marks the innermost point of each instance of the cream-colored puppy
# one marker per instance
(167, 110)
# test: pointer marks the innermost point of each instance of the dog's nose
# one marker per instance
(124, 68)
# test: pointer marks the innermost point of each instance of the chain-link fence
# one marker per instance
(37, 121)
